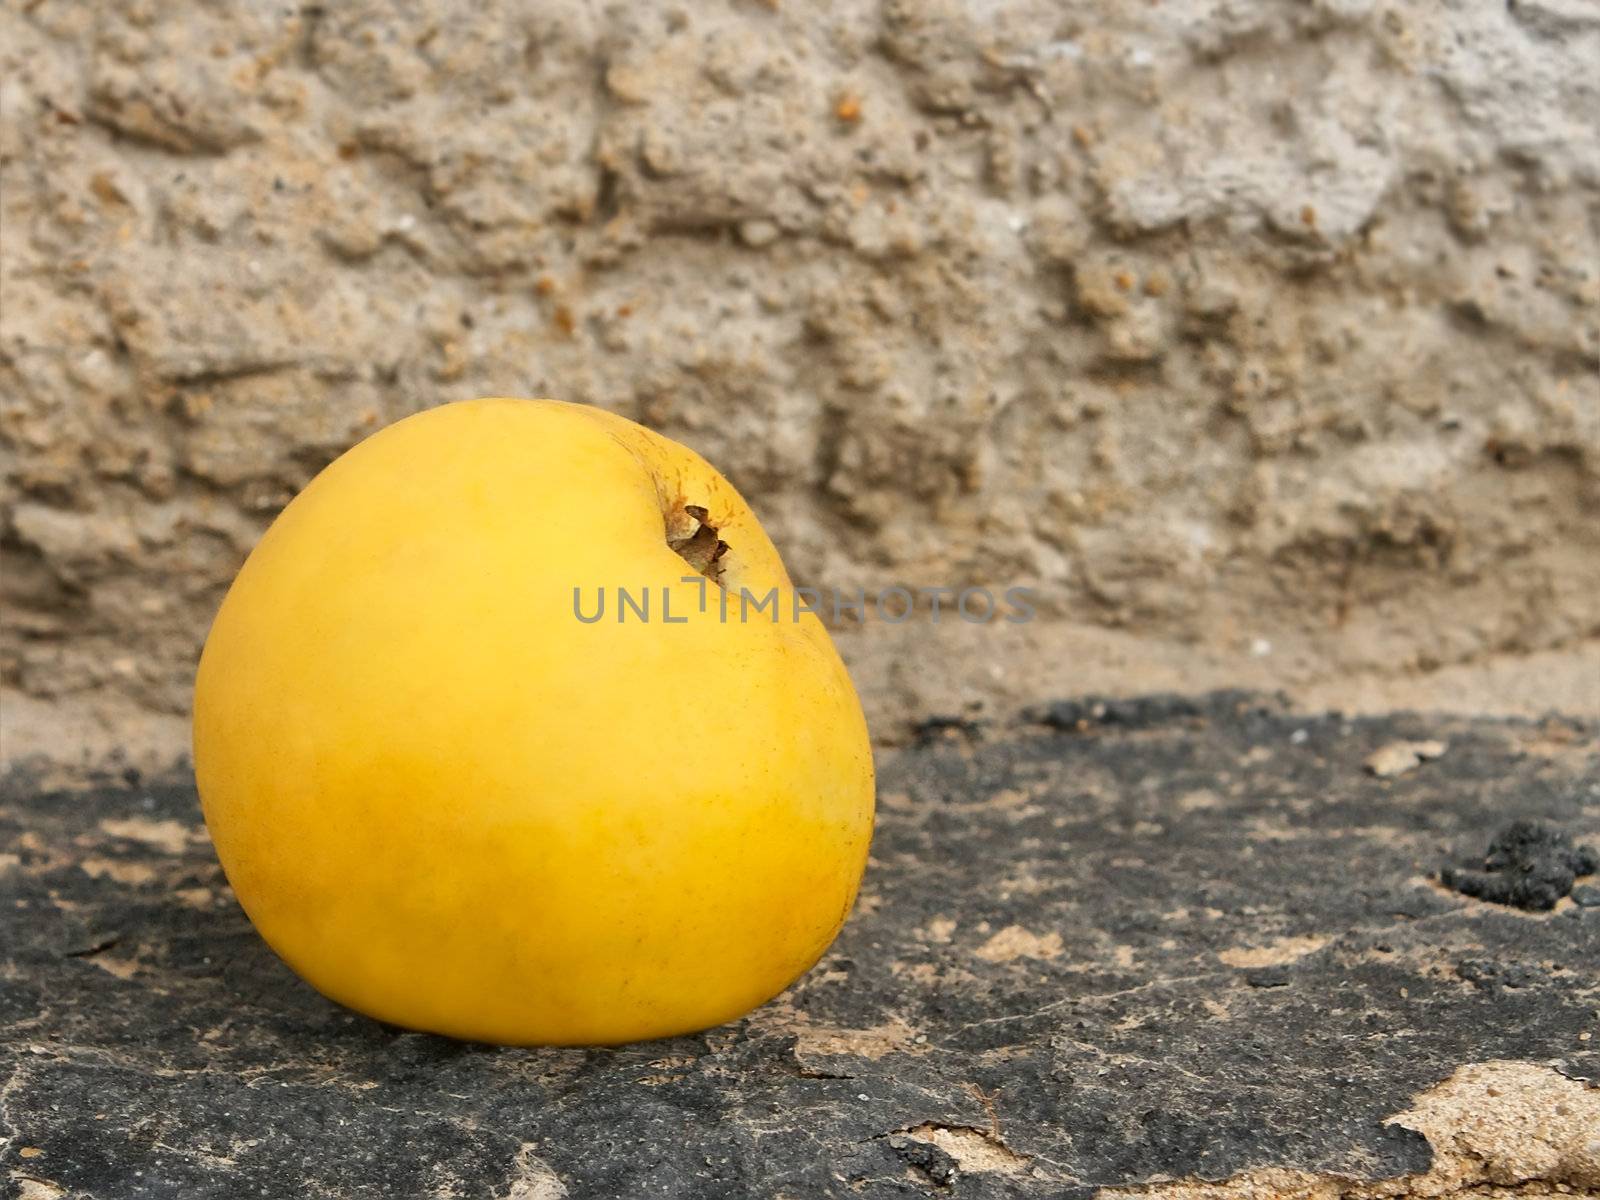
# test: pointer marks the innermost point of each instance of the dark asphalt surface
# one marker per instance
(1105, 944)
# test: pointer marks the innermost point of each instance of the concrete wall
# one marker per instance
(1260, 338)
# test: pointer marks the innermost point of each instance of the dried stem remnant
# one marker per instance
(694, 539)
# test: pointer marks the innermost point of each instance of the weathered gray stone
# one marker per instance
(1227, 325)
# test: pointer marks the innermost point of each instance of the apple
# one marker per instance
(450, 798)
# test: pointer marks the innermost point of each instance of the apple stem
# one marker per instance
(694, 539)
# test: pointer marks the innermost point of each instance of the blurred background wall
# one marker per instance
(1260, 338)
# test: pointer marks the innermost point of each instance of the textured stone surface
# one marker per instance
(1166, 940)
(1259, 328)
(1529, 865)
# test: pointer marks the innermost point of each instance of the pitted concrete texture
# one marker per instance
(1264, 333)
(1176, 948)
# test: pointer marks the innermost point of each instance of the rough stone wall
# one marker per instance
(1229, 324)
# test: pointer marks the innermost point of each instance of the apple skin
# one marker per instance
(448, 803)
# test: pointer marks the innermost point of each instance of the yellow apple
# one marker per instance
(452, 799)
